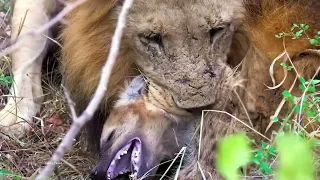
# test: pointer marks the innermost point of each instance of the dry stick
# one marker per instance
(86, 116)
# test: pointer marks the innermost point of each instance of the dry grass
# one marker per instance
(25, 157)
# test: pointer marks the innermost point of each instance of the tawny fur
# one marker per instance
(189, 62)
(264, 19)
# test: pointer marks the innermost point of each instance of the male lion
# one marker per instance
(181, 46)
(27, 94)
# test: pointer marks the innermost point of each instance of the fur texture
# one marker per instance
(161, 135)
(264, 19)
(182, 46)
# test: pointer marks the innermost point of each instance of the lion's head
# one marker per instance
(183, 45)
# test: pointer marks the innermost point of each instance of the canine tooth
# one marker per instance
(125, 152)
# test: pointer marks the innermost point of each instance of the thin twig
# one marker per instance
(86, 116)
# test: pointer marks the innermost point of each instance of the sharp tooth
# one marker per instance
(119, 157)
(125, 152)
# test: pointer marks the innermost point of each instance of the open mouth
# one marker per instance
(126, 161)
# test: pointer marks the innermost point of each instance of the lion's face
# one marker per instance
(182, 45)
(138, 136)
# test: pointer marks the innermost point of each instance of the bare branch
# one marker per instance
(86, 116)
(70, 103)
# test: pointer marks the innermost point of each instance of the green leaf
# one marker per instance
(311, 89)
(311, 113)
(286, 94)
(233, 151)
(299, 33)
(302, 80)
(265, 167)
(315, 82)
(264, 145)
(273, 151)
(302, 87)
(287, 126)
(278, 36)
(283, 64)
(300, 109)
(295, 163)
(313, 41)
(275, 119)
(259, 156)
(4, 172)
(306, 27)
(289, 68)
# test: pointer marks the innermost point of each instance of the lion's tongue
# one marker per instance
(126, 160)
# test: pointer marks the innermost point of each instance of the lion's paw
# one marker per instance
(16, 120)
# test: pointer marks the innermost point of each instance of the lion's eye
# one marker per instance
(215, 32)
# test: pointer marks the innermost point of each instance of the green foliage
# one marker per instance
(284, 65)
(233, 152)
(295, 158)
(4, 173)
(5, 6)
(297, 31)
(262, 156)
(5, 80)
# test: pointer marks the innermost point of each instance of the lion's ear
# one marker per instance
(137, 86)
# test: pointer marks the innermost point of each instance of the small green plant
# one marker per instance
(5, 6)
(5, 80)
(285, 66)
(5, 173)
(297, 31)
(233, 152)
(291, 147)
(262, 156)
(295, 158)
